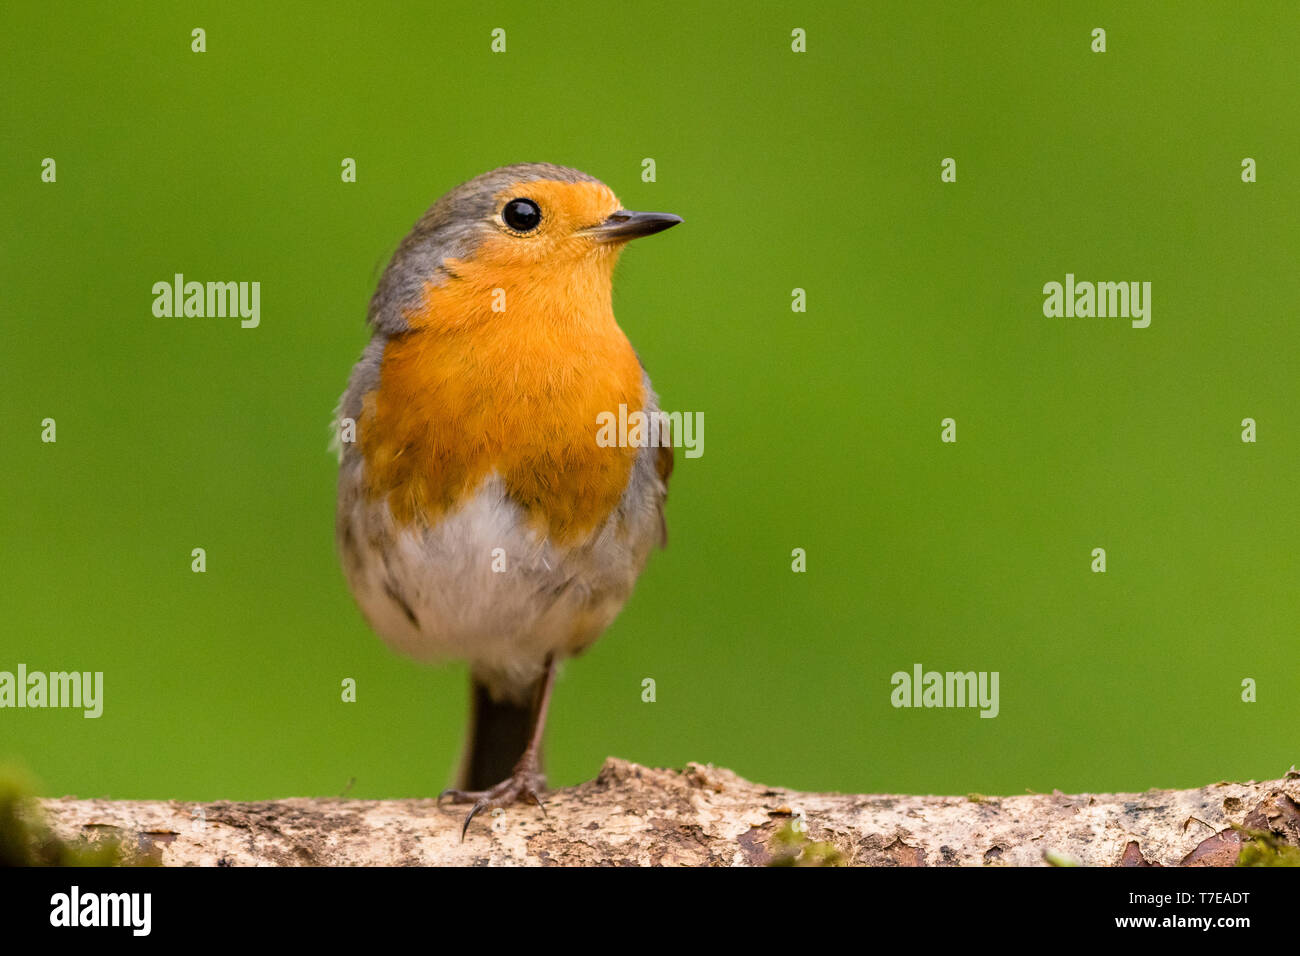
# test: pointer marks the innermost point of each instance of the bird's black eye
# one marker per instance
(522, 215)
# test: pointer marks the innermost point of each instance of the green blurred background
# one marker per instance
(816, 170)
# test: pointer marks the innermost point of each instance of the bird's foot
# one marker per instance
(526, 783)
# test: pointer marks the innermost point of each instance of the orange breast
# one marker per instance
(469, 392)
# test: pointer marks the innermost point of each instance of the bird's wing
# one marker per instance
(664, 465)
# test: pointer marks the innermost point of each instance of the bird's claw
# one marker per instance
(523, 784)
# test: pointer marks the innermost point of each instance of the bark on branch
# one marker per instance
(704, 816)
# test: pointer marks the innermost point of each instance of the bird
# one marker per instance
(478, 517)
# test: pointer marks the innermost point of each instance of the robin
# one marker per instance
(478, 516)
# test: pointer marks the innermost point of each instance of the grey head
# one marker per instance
(451, 229)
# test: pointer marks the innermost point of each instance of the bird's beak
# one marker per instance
(624, 225)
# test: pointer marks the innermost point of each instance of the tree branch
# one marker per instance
(633, 815)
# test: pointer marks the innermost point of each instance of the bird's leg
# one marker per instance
(527, 781)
